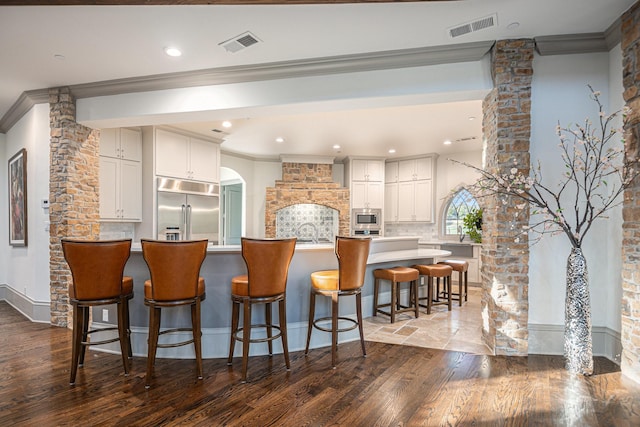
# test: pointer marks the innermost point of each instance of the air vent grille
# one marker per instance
(240, 42)
(476, 25)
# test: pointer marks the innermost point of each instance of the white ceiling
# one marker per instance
(101, 43)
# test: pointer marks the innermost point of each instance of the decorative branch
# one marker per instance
(596, 174)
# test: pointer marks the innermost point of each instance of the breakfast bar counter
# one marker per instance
(224, 262)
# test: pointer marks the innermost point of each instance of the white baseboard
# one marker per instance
(36, 311)
(549, 339)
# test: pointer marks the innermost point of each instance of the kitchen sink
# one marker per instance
(463, 250)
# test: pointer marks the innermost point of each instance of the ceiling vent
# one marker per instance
(240, 42)
(473, 26)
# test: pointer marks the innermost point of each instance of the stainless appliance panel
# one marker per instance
(366, 219)
(203, 214)
(171, 213)
(195, 212)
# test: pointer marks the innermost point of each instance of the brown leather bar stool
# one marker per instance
(435, 271)
(175, 281)
(462, 268)
(396, 276)
(348, 279)
(97, 269)
(267, 263)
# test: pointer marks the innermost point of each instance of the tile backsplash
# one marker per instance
(308, 222)
(116, 230)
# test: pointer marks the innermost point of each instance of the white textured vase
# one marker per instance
(578, 351)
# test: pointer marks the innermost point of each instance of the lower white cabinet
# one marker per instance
(120, 189)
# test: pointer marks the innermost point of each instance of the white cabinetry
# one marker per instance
(366, 182)
(181, 156)
(120, 175)
(366, 194)
(367, 170)
(409, 197)
(415, 201)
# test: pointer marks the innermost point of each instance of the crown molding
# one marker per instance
(24, 103)
(567, 44)
(404, 58)
(613, 34)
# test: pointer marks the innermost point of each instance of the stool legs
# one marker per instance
(312, 313)
(197, 336)
(246, 337)
(235, 319)
(334, 329)
(283, 331)
(394, 305)
(154, 331)
(359, 315)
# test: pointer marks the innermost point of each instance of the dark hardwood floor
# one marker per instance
(394, 386)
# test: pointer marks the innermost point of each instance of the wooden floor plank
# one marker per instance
(394, 385)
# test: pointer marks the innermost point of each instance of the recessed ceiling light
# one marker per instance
(336, 147)
(279, 139)
(59, 57)
(226, 124)
(513, 25)
(392, 150)
(472, 118)
(447, 142)
(172, 51)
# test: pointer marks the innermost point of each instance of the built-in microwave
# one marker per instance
(366, 221)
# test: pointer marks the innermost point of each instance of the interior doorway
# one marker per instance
(232, 206)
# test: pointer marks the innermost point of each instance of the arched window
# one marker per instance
(459, 205)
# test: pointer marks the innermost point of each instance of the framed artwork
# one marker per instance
(18, 199)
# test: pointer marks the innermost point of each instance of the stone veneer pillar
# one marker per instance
(74, 209)
(630, 334)
(505, 263)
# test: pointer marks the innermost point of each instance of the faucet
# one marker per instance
(460, 233)
(313, 234)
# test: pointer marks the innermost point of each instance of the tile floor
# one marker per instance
(457, 330)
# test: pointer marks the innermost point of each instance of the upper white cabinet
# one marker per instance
(121, 144)
(367, 170)
(366, 182)
(120, 175)
(409, 190)
(415, 169)
(181, 156)
(391, 172)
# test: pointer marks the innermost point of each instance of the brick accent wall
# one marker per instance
(74, 209)
(306, 183)
(505, 263)
(630, 334)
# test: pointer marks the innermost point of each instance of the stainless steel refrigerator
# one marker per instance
(188, 210)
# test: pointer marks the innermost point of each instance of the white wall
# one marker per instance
(560, 93)
(27, 268)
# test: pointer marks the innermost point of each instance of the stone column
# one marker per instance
(630, 334)
(74, 209)
(505, 262)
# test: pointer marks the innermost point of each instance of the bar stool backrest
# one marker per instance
(268, 263)
(96, 267)
(174, 267)
(352, 253)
